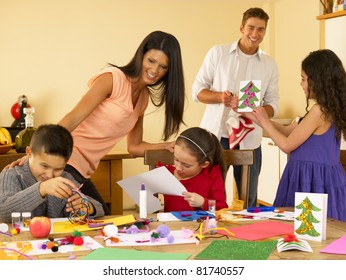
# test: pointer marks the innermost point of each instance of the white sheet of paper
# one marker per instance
(166, 217)
(158, 180)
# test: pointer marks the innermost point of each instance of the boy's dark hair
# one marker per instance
(52, 139)
(255, 12)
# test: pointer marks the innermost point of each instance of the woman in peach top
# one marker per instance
(114, 106)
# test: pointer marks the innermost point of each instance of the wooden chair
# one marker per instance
(343, 158)
(245, 158)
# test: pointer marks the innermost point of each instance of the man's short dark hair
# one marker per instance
(255, 12)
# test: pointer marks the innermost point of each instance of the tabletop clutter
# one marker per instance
(227, 236)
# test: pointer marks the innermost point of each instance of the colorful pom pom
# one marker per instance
(50, 245)
(170, 239)
(155, 236)
(132, 229)
(163, 230)
(55, 248)
(78, 241)
(76, 233)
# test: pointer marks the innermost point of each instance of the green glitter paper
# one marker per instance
(237, 250)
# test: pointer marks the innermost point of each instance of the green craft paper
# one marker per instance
(237, 250)
(123, 254)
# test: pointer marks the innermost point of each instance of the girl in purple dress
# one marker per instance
(314, 142)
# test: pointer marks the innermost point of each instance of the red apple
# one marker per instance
(40, 227)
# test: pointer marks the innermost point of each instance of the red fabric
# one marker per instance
(238, 133)
(208, 183)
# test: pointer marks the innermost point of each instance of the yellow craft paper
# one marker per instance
(67, 227)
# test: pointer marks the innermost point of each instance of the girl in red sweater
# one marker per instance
(199, 166)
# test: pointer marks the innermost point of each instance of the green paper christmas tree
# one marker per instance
(307, 218)
(249, 97)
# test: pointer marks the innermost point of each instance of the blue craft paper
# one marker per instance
(193, 215)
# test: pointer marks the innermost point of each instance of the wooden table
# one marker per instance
(335, 230)
(109, 171)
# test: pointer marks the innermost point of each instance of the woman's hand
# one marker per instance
(170, 146)
(19, 162)
(194, 199)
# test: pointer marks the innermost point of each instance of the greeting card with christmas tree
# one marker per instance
(310, 215)
(249, 95)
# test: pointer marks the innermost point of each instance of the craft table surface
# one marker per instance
(335, 230)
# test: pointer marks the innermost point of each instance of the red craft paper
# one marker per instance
(336, 247)
(260, 230)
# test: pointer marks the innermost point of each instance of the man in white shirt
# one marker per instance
(217, 85)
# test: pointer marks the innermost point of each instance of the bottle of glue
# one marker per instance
(143, 202)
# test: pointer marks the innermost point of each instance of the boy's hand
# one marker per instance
(75, 203)
(59, 187)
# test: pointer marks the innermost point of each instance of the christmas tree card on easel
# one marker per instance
(310, 215)
(249, 95)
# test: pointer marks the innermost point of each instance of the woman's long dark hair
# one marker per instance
(327, 80)
(170, 90)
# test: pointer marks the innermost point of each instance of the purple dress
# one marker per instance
(315, 167)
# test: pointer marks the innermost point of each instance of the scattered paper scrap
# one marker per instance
(336, 247)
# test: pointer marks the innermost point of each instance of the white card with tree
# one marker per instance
(310, 215)
(249, 95)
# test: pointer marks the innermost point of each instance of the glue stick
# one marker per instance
(142, 202)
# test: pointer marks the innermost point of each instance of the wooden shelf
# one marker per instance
(332, 15)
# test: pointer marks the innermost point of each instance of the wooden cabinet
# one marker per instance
(107, 174)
